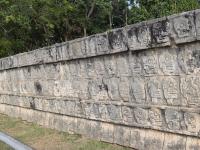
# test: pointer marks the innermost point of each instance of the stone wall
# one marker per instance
(137, 86)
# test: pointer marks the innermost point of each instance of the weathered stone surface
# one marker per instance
(139, 36)
(183, 27)
(130, 86)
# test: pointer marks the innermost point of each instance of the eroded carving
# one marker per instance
(141, 116)
(154, 89)
(171, 90)
(138, 89)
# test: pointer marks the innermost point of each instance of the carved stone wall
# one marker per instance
(137, 86)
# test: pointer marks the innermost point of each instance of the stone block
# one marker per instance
(137, 138)
(107, 132)
(113, 88)
(150, 63)
(102, 44)
(91, 46)
(110, 66)
(125, 89)
(122, 135)
(188, 58)
(138, 90)
(99, 67)
(117, 40)
(141, 116)
(104, 114)
(168, 61)
(192, 143)
(190, 90)
(77, 48)
(135, 65)
(155, 117)
(90, 68)
(182, 27)
(174, 142)
(122, 63)
(128, 115)
(114, 113)
(173, 119)
(155, 90)
(171, 90)
(192, 122)
(139, 36)
(154, 142)
(197, 23)
(160, 30)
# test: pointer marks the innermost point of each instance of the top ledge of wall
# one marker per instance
(176, 29)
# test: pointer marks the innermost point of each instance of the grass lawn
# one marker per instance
(41, 138)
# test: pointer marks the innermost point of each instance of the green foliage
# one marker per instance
(29, 24)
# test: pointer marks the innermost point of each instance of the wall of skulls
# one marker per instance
(142, 77)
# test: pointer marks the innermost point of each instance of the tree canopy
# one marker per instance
(28, 24)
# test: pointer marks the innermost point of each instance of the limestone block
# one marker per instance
(107, 132)
(125, 89)
(73, 69)
(64, 71)
(171, 90)
(104, 114)
(122, 63)
(173, 119)
(83, 89)
(197, 23)
(78, 110)
(91, 45)
(90, 68)
(155, 91)
(76, 91)
(114, 112)
(137, 139)
(70, 124)
(77, 48)
(128, 115)
(95, 128)
(154, 142)
(138, 90)
(51, 53)
(168, 62)
(82, 126)
(98, 90)
(192, 122)
(113, 88)
(190, 90)
(122, 135)
(99, 67)
(188, 58)
(110, 66)
(182, 27)
(82, 69)
(37, 72)
(70, 107)
(150, 63)
(135, 65)
(160, 30)
(174, 142)
(117, 40)
(52, 71)
(139, 36)
(141, 116)
(102, 44)
(192, 144)
(155, 117)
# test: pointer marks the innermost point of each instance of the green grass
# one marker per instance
(41, 138)
(3, 146)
